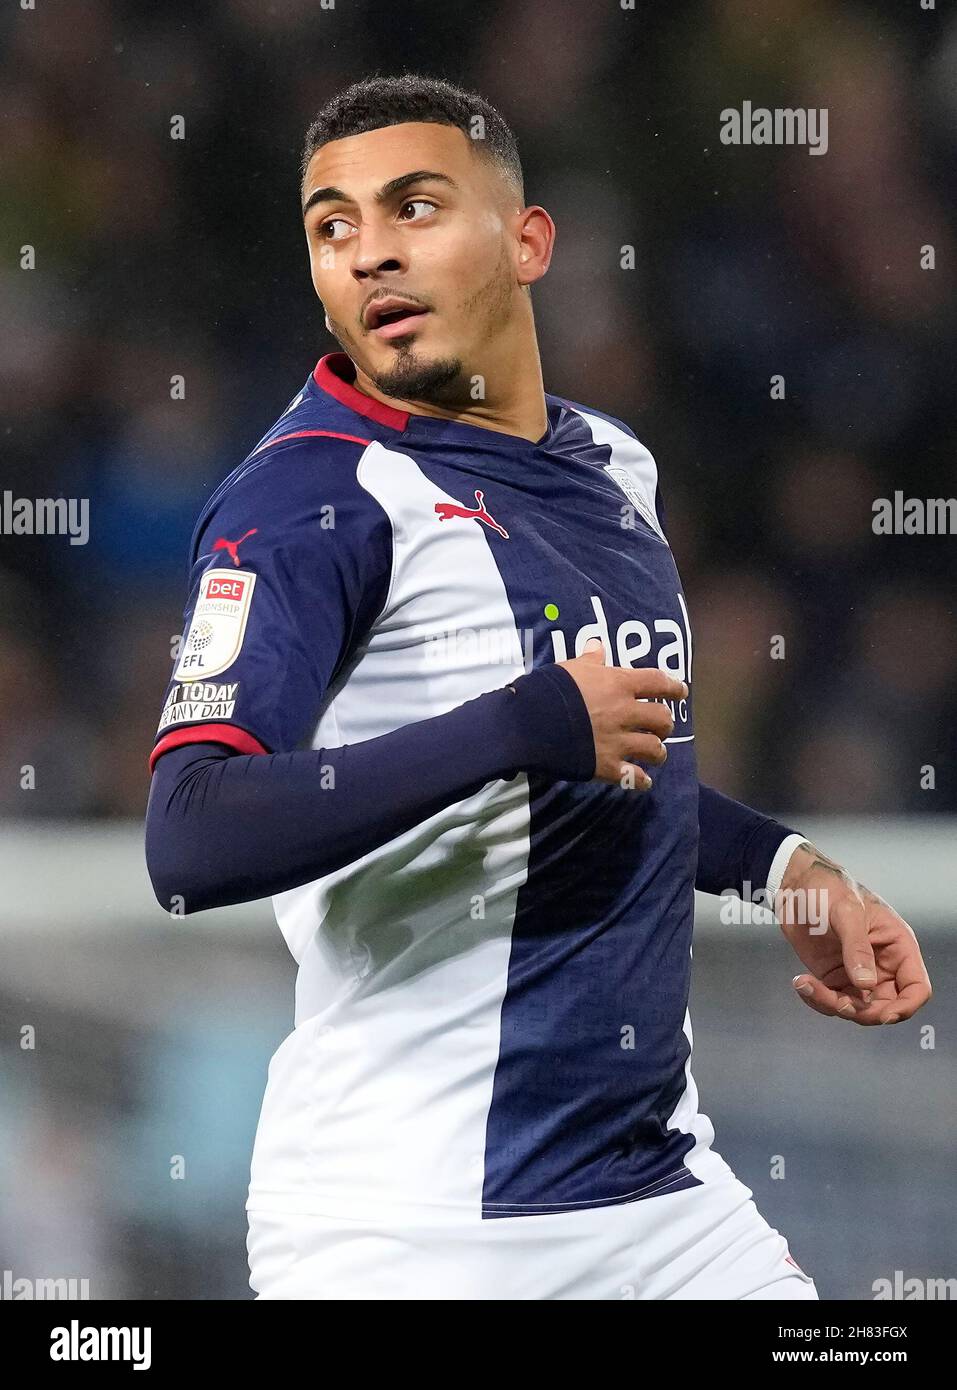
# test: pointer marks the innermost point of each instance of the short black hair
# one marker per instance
(379, 101)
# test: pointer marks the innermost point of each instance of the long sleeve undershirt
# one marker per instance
(224, 827)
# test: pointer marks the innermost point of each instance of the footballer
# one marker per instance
(434, 697)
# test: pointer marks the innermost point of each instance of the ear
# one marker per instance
(536, 236)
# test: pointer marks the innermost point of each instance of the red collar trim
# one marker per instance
(327, 377)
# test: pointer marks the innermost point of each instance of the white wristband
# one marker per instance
(779, 865)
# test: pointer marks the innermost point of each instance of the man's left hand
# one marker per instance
(864, 961)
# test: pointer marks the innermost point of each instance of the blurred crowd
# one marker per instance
(825, 655)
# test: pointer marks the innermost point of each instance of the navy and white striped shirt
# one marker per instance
(494, 951)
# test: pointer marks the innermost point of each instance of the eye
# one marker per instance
(416, 203)
(330, 222)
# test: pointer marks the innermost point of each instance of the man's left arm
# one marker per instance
(863, 960)
(739, 849)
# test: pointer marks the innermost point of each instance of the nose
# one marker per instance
(375, 253)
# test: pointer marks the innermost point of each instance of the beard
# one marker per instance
(415, 378)
(411, 377)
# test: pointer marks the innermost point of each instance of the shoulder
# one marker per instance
(591, 413)
(301, 450)
(626, 450)
(628, 461)
(296, 481)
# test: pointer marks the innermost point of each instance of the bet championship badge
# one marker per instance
(219, 624)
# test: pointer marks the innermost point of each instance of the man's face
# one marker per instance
(441, 242)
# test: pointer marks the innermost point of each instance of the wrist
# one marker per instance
(808, 861)
(550, 725)
(794, 857)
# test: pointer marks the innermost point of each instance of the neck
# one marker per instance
(515, 406)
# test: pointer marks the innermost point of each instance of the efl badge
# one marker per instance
(219, 624)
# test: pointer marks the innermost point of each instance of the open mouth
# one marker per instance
(390, 319)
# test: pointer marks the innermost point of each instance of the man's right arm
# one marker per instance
(238, 809)
(291, 562)
(224, 827)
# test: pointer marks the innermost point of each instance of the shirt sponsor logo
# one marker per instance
(662, 642)
(198, 700)
(216, 633)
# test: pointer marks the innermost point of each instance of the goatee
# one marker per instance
(414, 379)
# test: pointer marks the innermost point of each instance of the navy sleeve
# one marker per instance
(223, 827)
(290, 564)
(736, 845)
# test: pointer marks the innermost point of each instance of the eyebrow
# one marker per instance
(388, 190)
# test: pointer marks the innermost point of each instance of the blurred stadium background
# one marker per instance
(160, 257)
